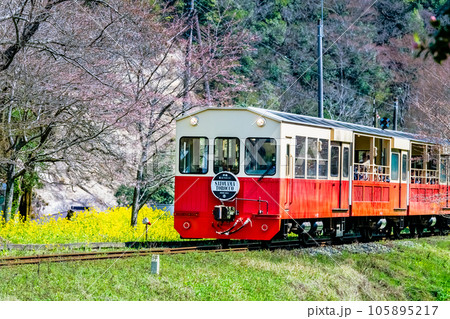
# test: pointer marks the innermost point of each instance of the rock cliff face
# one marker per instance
(53, 198)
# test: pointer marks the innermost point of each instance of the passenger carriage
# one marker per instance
(249, 173)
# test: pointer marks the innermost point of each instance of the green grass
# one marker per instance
(421, 272)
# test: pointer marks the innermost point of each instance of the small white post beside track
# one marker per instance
(155, 265)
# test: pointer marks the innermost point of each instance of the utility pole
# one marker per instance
(320, 64)
(395, 113)
(375, 117)
(187, 75)
(204, 69)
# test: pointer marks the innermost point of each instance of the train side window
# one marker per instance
(260, 156)
(193, 155)
(300, 156)
(394, 166)
(226, 155)
(404, 167)
(323, 158)
(444, 170)
(334, 165)
(311, 165)
(345, 162)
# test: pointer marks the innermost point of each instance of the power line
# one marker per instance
(204, 9)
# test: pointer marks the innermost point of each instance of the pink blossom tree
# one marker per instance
(82, 78)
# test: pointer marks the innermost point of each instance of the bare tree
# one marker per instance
(153, 83)
(78, 73)
(50, 103)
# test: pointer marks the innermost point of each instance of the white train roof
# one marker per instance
(284, 117)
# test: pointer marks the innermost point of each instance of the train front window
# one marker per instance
(226, 155)
(260, 156)
(193, 155)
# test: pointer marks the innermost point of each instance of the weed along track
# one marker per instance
(212, 248)
(86, 256)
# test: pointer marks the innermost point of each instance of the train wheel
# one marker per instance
(265, 244)
(338, 240)
(419, 230)
(366, 234)
(396, 232)
(412, 231)
(224, 243)
(387, 232)
(303, 239)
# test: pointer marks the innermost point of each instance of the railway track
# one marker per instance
(99, 255)
(86, 256)
(213, 246)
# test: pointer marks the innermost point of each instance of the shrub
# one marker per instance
(91, 225)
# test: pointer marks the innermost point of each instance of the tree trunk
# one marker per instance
(9, 191)
(136, 195)
(25, 201)
(138, 187)
(204, 70)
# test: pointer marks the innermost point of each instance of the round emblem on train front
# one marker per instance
(225, 186)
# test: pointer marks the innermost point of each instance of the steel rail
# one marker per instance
(37, 259)
(232, 247)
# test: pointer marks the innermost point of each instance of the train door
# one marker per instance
(404, 189)
(289, 174)
(340, 172)
(445, 178)
(335, 174)
(395, 178)
(345, 177)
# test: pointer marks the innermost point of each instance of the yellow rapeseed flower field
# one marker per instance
(112, 225)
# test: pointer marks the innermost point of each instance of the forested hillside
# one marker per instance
(368, 57)
(90, 90)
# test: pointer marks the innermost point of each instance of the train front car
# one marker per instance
(227, 182)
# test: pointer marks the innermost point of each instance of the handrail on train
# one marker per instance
(254, 200)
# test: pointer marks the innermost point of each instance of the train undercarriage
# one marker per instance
(364, 228)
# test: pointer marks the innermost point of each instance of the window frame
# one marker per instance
(346, 166)
(207, 155)
(317, 160)
(239, 154)
(398, 167)
(404, 167)
(338, 147)
(445, 174)
(327, 159)
(245, 155)
(301, 157)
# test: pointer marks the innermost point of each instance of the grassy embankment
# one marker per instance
(412, 270)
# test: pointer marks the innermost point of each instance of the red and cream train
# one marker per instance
(256, 174)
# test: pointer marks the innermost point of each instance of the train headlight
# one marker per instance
(186, 225)
(194, 120)
(261, 122)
